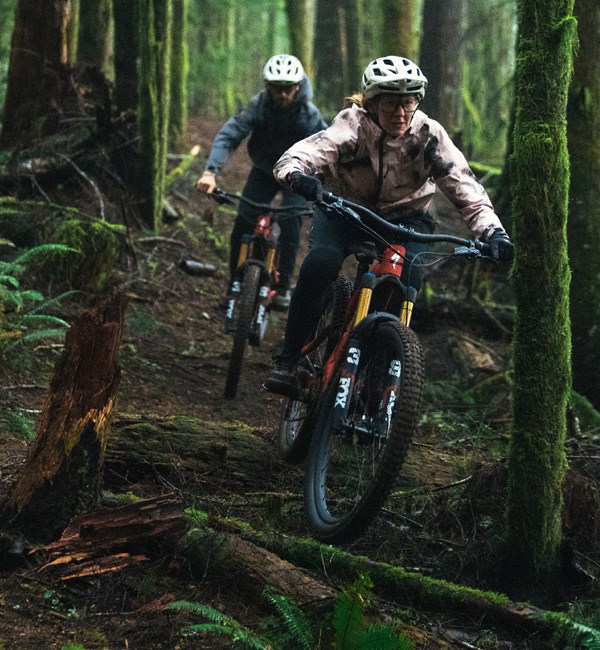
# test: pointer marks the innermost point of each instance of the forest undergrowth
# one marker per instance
(443, 521)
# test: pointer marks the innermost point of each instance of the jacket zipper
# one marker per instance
(380, 171)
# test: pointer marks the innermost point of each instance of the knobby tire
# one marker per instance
(245, 313)
(350, 473)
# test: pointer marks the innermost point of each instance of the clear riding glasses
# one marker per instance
(391, 103)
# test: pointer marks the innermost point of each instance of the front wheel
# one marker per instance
(245, 309)
(352, 467)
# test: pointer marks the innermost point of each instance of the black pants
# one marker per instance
(328, 245)
(262, 188)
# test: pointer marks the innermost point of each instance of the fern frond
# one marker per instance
(31, 295)
(588, 638)
(9, 280)
(43, 334)
(383, 637)
(220, 623)
(51, 302)
(17, 265)
(42, 319)
(294, 619)
(348, 613)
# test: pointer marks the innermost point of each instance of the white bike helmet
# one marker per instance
(283, 69)
(393, 74)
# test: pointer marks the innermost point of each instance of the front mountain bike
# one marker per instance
(355, 404)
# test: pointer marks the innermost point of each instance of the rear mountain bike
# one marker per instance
(356, 400)
(254, 282)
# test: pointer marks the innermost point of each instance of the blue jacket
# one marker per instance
(272, 130)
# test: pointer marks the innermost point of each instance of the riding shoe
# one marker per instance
(283, 375)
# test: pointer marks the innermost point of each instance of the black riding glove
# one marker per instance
(502, 248)
(307, 186)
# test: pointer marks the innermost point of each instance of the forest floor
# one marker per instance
(174, 360)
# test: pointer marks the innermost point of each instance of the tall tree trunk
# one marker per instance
(126, 48)
(400, 28)
(153, 108)
(541, 280)
(73, 31)
(356, 63)
(442, 54)
(329, 60)
(179, 73)
(95, 43)
(62, 476)
(36, 69)
(584, 205)
(300, 18)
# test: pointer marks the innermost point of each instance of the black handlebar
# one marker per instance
(361, 216)
(221, 196)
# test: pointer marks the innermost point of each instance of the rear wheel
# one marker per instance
(245, 312)
(296, 419)
(352, 468)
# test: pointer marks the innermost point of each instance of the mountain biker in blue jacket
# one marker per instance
(276, 118)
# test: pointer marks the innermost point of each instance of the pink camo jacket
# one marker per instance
(355, 158)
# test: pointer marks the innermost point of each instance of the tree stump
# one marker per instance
(62, 475)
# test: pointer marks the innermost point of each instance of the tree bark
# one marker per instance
(126, 49)
(400, 28)
(300, 17)
(36, 80)
(584, 203)
(442, 53)
(95, 42)
(63, 472)
(541, 281)
(180, 64)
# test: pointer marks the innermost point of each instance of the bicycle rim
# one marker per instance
(246, 304)
(351, 470)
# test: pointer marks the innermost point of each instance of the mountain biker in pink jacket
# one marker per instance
(386, 154)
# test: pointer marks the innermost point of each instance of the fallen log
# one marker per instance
(224, 456)
(254, 567)
(425, 594)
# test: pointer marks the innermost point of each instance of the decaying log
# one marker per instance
(99, 541)
(63, 472)
(254, 568)
(224, 455)
(422, 593)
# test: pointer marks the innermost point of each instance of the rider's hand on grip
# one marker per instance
(501, 247)
(307, 186)
(207, 183)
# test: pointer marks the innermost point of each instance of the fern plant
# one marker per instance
(241, 637)
(350, 627)
(293, 629)
(23, 316)
(298, 631)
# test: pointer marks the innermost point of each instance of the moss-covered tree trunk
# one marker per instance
(442, 55)
(355, 60)
(73, 31)
(400, 28)
(179, 73)
(95, 42)
(153, 104)
(541, 277)
(36, 79)
(584, 206)
(126, 53)
(300, 19)
(62, 476)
